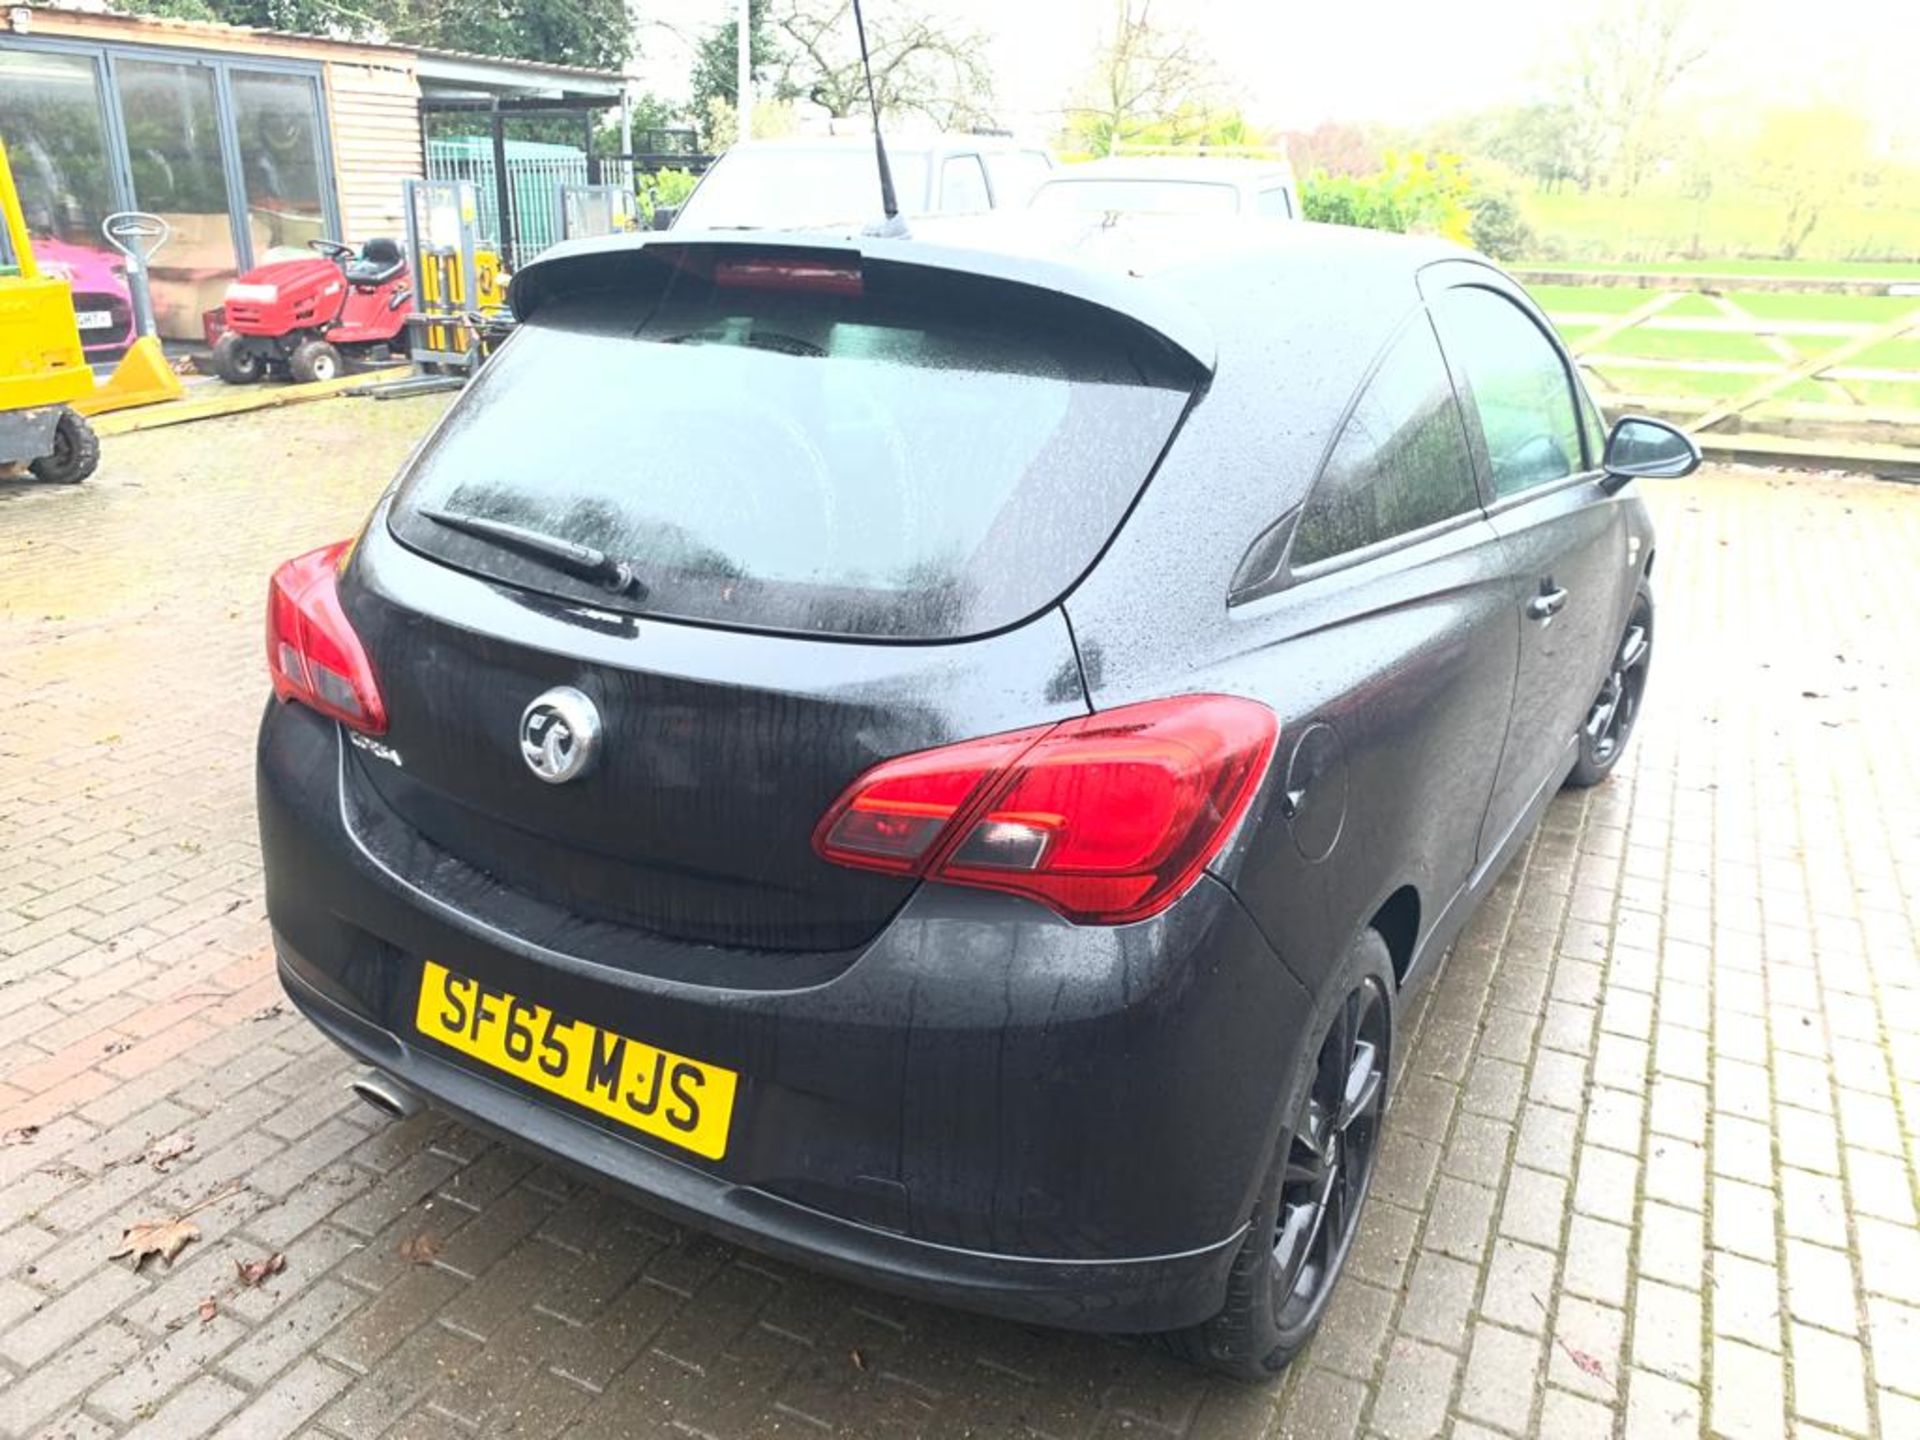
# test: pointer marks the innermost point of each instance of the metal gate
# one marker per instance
(534, 174)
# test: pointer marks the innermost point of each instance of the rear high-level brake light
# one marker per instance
(825, 277)
(1107, 819)
(312, 652)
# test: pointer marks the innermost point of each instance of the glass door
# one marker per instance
(276, 119)
(170, 116)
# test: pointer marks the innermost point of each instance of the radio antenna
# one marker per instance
(893, 226)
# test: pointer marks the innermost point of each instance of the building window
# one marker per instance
(230, 153)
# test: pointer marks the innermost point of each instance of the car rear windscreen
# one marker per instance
(897, 453)
(1137, 197)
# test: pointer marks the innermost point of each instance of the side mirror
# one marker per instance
(663, 216)
(1641, 447)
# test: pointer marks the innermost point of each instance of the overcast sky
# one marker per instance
(1404, 61)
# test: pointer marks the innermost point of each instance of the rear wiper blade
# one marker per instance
(575, 559)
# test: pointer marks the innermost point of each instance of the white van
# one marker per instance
(832, 181)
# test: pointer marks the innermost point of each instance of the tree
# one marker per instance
(923, 64)
(1146, 76)
(1810, 159)
(1334, 146)
(595, 33)
(1412, 192)
(305, 16)
(716, 61)
(1626, 65)
(1540, 140)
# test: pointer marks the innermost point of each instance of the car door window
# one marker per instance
(1401, 461)
(963, 185)
(1520, 388)
(1274, 202)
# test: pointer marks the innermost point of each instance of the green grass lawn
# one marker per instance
(1729, 234)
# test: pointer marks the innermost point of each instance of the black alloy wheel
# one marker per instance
(1618, 705)
(1330, 1158)
(1610, 720)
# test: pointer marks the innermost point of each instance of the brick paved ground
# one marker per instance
(1651, 1167)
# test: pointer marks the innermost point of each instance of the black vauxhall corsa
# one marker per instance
(938, 757)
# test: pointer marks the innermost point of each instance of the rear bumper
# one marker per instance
(985, 1107)
(1139, 1293)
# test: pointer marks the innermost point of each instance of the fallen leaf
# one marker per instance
(252, 1272)
(1586, 1363)
(859, 1360)
(269, 1012)
(115, 1047)
(165, 1238)
(20, 1135)
(163, 1153)
(421, 1249)
(209, 1308)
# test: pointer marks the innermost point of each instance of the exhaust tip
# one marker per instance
(385, 1094)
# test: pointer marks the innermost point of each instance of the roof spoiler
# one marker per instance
(619, 262)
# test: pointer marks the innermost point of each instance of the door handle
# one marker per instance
(1548, 603)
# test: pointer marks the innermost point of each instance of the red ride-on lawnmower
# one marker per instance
(306, 318)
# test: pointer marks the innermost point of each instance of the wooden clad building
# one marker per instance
(243, 140)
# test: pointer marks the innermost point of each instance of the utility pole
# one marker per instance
(743, 60)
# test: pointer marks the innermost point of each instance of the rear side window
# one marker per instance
(1401, 461)
(886, 455)
(1519, 386)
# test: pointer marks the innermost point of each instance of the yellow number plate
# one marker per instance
(685, 1102)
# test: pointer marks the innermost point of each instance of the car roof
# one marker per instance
(1147, 246)
(908, 144)
(1196, 283)
(1219, 169)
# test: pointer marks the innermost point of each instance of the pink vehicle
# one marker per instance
(102, 304)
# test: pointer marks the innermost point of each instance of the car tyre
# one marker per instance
(1609, 723)
(1308, 1213)
(236, 362)
(75, 454)
(314, 360)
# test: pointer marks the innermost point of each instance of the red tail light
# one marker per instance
(312, 652)
(1107, 819)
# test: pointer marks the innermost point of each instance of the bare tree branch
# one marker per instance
(1145, 75)
(1626, 66)
(921, 64)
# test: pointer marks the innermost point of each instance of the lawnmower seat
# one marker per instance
(379, 261)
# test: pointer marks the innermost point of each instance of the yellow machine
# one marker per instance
(46, 387)
(460, 286)
(43, 371)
